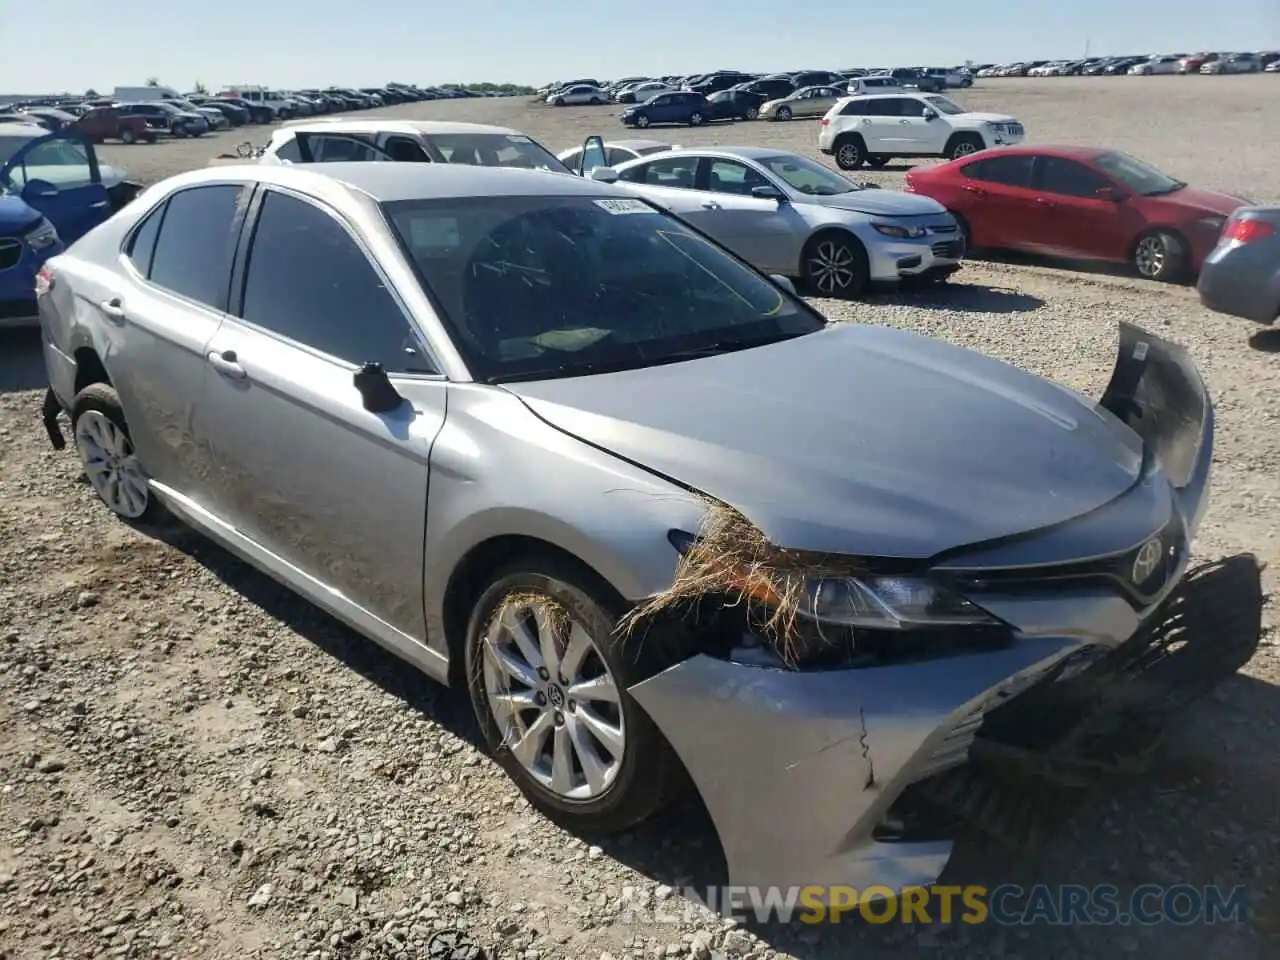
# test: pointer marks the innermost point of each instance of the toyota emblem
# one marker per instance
(1148, 561)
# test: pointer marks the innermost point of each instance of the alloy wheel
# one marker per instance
(1150, 257)
(965, 148)
(849, 156)
(554, 700)
(111, 464)
(832, 267)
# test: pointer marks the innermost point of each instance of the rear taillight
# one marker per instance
(823, 122)
(1247, 231)
(44, 281)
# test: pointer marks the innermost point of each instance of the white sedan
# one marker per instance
(580, 94)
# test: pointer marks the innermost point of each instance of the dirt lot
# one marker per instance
(196, 763)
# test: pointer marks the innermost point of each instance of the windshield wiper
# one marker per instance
(731, 345)
(1174, 188)
(583, 369)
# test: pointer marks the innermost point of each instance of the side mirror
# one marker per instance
(785, 283)
(768, 192)
(38, 190)
(929, 114)
(605, 174)
(376, 390)
(1113, 194)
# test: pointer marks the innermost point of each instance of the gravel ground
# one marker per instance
(197, 763)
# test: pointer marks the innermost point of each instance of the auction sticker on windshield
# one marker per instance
(624, 206)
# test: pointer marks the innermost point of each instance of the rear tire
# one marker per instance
(753, 113)
(128, 136)
(850, 153)
(695, 120)
(105, 448)
(626, 786)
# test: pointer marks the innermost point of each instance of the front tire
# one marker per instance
(548, 679)
(642, 121)
(1160, 255)
(127, 136)
(835, 265)
(105, 447)
(784, 113)
(695, 120)
(965, 145)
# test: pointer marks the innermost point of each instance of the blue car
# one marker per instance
(681, 106)
(51, 194)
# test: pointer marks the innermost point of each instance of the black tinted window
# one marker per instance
(143, 244)
(193, 253)
(1012, 171)
(888, 107)
(854, 108)
(290, 151)
(309, 281)
(1067, 177)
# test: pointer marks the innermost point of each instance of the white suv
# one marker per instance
(875, 129)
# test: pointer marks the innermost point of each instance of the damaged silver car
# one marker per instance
(550, 444)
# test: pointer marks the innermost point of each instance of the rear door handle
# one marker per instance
(227, 364)
(1045, 203)
(905, 123)
(976, 191)
(712, 205)
(113, 310)
(99, 205)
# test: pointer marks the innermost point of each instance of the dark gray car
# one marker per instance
(1242, 275)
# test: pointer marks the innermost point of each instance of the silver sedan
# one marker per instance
(642, 503)
(790, 215)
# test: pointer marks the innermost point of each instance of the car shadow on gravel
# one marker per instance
(1169, 826)
(1266, 341)
(960, 297)
(21, 365)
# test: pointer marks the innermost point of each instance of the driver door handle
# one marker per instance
(1041, 201)
(711, 205)
(113, 310)
(905, 123)
(227, 364)
(976, 191)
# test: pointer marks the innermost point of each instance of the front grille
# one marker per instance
(1015, 129)
(10, 252)
(948, 249)
(1165, 551)
(945, 229)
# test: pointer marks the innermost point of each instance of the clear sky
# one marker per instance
(71, 45)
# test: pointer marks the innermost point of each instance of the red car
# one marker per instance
(1081, 203)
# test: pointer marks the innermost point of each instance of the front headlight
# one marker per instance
(41, 236)
(889, 603)
(899, 232)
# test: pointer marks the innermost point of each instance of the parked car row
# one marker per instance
(1143, 65)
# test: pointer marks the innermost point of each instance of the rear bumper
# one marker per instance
(18, 306)
(1242, 281)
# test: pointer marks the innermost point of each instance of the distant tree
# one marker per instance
(153, 81)
(200, 88)
(91, 94)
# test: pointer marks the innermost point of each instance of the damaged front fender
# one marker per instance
(797, 768)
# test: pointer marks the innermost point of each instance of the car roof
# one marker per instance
(1066, 151)
(742, 153)
(392, 125)
(31, 129)
(391, 182)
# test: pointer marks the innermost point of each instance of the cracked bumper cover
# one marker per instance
(798, 768)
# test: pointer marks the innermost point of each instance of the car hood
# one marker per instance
(1196, 201)
(885, 203)
(15, 215)
(986, 118)
(858, 439)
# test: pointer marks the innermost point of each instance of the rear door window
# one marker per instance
(193, 251)
(1009, 171)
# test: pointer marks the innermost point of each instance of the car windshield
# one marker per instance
(943, 105)
(1138, 176)
(542, 287)
(807, 176)
(494, 150)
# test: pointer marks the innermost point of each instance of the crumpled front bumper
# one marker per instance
(798, 768)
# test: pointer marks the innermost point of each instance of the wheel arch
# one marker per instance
(958, 135)
(1168, 228)
(829, 230)
(474, 571)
